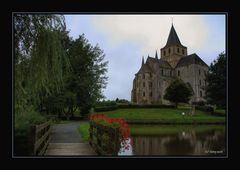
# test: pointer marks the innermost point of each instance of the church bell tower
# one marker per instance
(173, 51)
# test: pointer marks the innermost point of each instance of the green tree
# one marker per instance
(87, 77)
(177, 92)
(39, 57)
(39, 65)
(216, 78)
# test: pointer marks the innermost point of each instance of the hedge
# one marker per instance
(205, 108)
(129, 106)
(145, 106)
(105, 108)
(216, 113)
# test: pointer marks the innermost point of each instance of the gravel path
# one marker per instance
(66, 140)
(66, 133)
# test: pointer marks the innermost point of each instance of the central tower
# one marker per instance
(173, 51)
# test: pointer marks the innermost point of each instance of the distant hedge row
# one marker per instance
(205, 108)
(129, 106)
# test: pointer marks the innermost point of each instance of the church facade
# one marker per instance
(156, 74)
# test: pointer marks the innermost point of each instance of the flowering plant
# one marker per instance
(120, 123)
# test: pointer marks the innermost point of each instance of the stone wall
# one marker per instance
(190, 74)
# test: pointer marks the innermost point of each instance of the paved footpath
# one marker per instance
(66, 140)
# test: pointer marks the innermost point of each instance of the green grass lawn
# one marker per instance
(158, 116)
(149, 130)
(164, 115)
(220, 112)
(84, 130)
(170, 129)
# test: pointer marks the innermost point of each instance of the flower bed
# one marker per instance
(107, 134)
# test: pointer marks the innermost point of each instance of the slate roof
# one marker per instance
(173, 38)
(164, 64)
(191, 59)
(145, 69)
(149, 65)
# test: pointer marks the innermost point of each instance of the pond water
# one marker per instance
(186, 141)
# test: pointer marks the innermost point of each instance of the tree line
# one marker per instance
(53, 72)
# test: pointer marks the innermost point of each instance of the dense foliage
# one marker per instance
(177, 92)
(53, 74)
(216, 78)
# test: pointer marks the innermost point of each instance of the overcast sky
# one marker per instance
(126, 38)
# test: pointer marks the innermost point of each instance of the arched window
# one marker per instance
(150, 94)
(178, 50)
(200, 93)
(143, 84)
(143, 76)
(162, 71)
(178, 72)
(200, 82)
(150, 85)
(199, 71)
(169, 50)
(143, 94)
(164, 52)
(182, 51)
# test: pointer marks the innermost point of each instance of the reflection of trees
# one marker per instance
(185, 143)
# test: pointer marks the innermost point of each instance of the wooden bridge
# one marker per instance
(60, 139)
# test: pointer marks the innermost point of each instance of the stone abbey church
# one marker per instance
(156, 74)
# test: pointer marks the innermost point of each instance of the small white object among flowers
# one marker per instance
(183, 113)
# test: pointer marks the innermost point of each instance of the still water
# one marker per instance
(186, 142)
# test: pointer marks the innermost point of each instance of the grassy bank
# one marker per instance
(149, 130)
(84, 130)
(171, 130)
(165, 116)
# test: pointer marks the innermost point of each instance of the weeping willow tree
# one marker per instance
(47, 67)
(39, 67)
(40, 60)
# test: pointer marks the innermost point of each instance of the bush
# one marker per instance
(24, 119)
(199, 103)
(106, 103)
(219, 113)
(105, 108)
(205, 108)
(145, 106)
(130, 106)
(124, 101)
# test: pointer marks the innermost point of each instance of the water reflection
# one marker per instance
(210, 142)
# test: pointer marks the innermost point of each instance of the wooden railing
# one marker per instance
(104, 139)
(39, 138)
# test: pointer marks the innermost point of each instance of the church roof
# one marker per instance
(164, 64)
(173, 38)
(149, 65)
(161, 63)
(191, 59)
(151, 61)
(145, 69)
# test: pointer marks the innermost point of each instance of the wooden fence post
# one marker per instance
(32, 140)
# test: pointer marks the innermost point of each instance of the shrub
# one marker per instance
(130, 106)
(124, 101)
(105, 108)
(199, 103)
(145, 106)
(106, 103)
(24, 119)
(107, 128)
(205, 108)
(219, 113)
